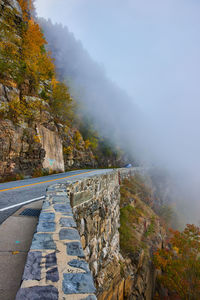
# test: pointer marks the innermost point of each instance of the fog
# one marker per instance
(144, 93)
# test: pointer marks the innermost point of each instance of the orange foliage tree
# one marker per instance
(38, 65)
(38, 62)
(26, 7)
(179, 263)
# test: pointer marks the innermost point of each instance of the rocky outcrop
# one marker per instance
(25, 144)
(30, 139)
(53, 147)
(76, 154)
(20, 153)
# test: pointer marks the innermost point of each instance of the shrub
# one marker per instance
(68, 150)
(39, 172)
(179, 262)
(62, 105)
(12, 177)
(87, 144)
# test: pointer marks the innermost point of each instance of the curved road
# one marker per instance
(17, 193)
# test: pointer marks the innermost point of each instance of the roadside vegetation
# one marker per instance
(178, 261)
(138, 222)
(179, 265)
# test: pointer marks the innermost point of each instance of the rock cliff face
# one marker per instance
(34, 141)
(34, 135)
(30, 139)
(118, 237)
(76, 155)
(19, 152)
(26, 146)
(53, 147)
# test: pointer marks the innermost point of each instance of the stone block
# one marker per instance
(82, 197)
(43, 241)
(60, 199)
(46, 227)
(82, 227)
(80, 264)
(32, 270)
(81, 283)
(75, 249)
(52, 275)
(69, 234)
(56, 188)
(38, 293)
(46, 205)
(51, 260)
(47, 216)
(63, 208)
(90, 297)
(67, 222)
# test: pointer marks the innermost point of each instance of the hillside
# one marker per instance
(37, 111)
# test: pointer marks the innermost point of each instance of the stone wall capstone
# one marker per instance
(55, 267)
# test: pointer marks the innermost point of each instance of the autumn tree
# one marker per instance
(179, 263)
(26, 7)
(89, 133)
(26, 64)
(37, 64)
(62, 105)
(10, 45)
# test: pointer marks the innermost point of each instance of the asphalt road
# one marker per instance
(18, 192)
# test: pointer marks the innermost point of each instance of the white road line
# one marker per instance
(21, 203)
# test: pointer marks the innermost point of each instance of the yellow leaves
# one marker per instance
(78, 138)
(61, 102)
(93, 142)
(26, 7)
(3, 108)
(15, 252)
(37, 138)
(180, 263)
(66, 129)
(25, 109)
(68, 150)
(9, 47)
(54, 82)
(22, 49)
(176, 249)
(37, 64)
(38, 61)
(33, 38)
(87, 144)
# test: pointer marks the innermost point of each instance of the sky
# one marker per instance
(151, 50)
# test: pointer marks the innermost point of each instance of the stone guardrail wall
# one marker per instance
(57, 263)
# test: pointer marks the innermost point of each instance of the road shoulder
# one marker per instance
(16, 235)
